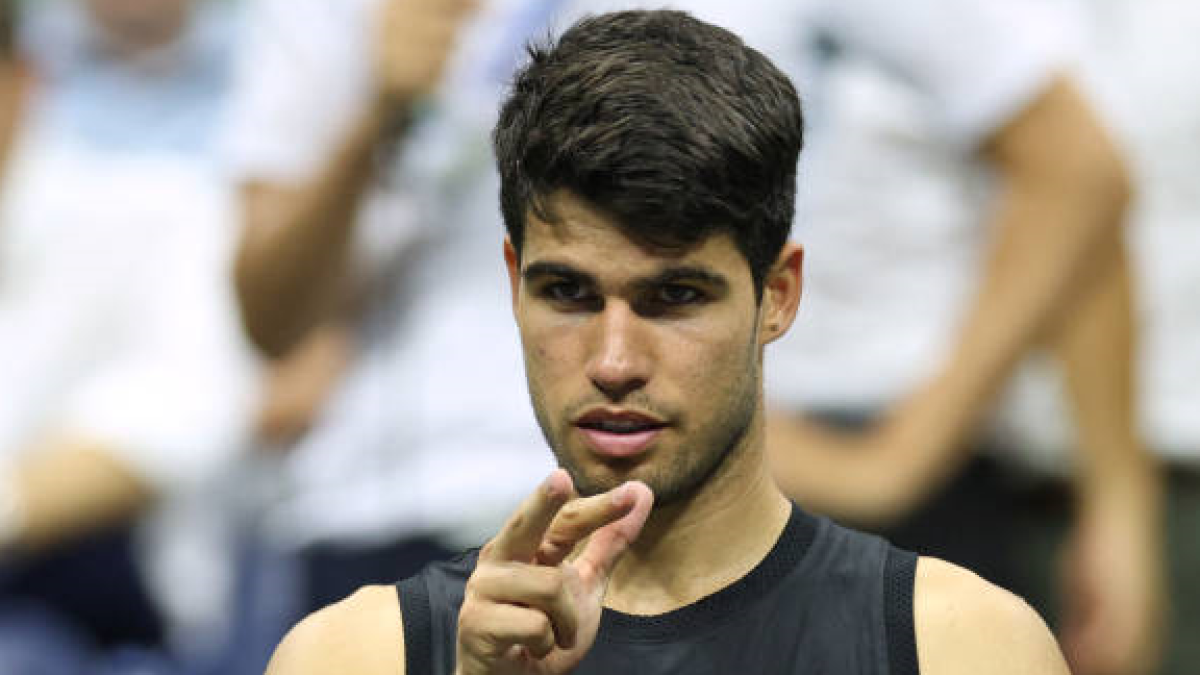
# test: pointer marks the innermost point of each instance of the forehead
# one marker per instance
(586, 238)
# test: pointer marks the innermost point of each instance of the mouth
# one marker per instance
(619, 434)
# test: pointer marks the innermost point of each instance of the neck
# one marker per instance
(696, 547)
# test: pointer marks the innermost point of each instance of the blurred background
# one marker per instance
(256, 349)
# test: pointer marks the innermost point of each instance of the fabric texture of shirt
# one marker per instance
(825, 599)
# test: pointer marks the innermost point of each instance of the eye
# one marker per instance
(567, 292)
(678, 294)
(671, 299)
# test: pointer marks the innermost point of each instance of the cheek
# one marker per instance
(709, 356)
(720, 334)
(548, 352)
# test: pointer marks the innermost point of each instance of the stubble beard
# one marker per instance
(697, 459)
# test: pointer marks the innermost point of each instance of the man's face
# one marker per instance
(641, 364)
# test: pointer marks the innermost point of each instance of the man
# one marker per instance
(648, 165)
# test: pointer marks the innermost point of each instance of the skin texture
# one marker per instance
(966, 625)
(533, 603)
(361, 634)
(641, 350)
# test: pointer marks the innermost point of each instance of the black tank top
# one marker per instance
(825, 601)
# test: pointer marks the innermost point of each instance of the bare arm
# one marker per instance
(1114, 586)
(14, 90)
(68, 489)
(290, 269)
(966, 625)
(298, 386)
(291, 260)
(1063, 195)
(363, 634)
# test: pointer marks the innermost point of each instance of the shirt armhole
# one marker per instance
(899, 578)
(418, 625)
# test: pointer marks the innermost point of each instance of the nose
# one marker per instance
(620, 357)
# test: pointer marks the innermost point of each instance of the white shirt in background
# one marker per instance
(892, 198)
(1139, 61)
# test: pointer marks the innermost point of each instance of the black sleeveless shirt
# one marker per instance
(825, 601)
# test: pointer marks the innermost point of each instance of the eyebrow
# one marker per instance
(671, 275)
(686, 273)
(553, 269)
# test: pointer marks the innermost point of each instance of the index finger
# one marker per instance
(520, 537)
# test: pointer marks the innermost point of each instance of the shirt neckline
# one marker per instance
(712, 610)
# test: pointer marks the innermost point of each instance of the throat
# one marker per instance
(683, 558)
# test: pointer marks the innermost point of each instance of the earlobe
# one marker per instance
(781, 293)
(513, 264)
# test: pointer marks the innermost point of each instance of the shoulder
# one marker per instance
(361, 634)
(965, 624)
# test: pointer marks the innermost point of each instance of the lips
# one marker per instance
(619, 434)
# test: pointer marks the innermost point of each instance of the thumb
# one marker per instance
(607, 544)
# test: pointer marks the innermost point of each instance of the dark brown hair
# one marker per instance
(672, 126)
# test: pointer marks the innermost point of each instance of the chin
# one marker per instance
(596, 480)
(593, 477)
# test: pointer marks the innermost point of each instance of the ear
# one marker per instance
(781, 293)
(513, 263)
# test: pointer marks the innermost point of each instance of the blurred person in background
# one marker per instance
(1138, 60)
(964, 206)
(125, 383)
(369, 258)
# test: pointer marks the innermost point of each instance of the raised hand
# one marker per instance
(532, 606)
(415, 40)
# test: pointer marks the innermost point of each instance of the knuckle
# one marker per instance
(509, 575)
(559, 540)
(572, 512)
(547, 587)
(555, 585)
(478, 581)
